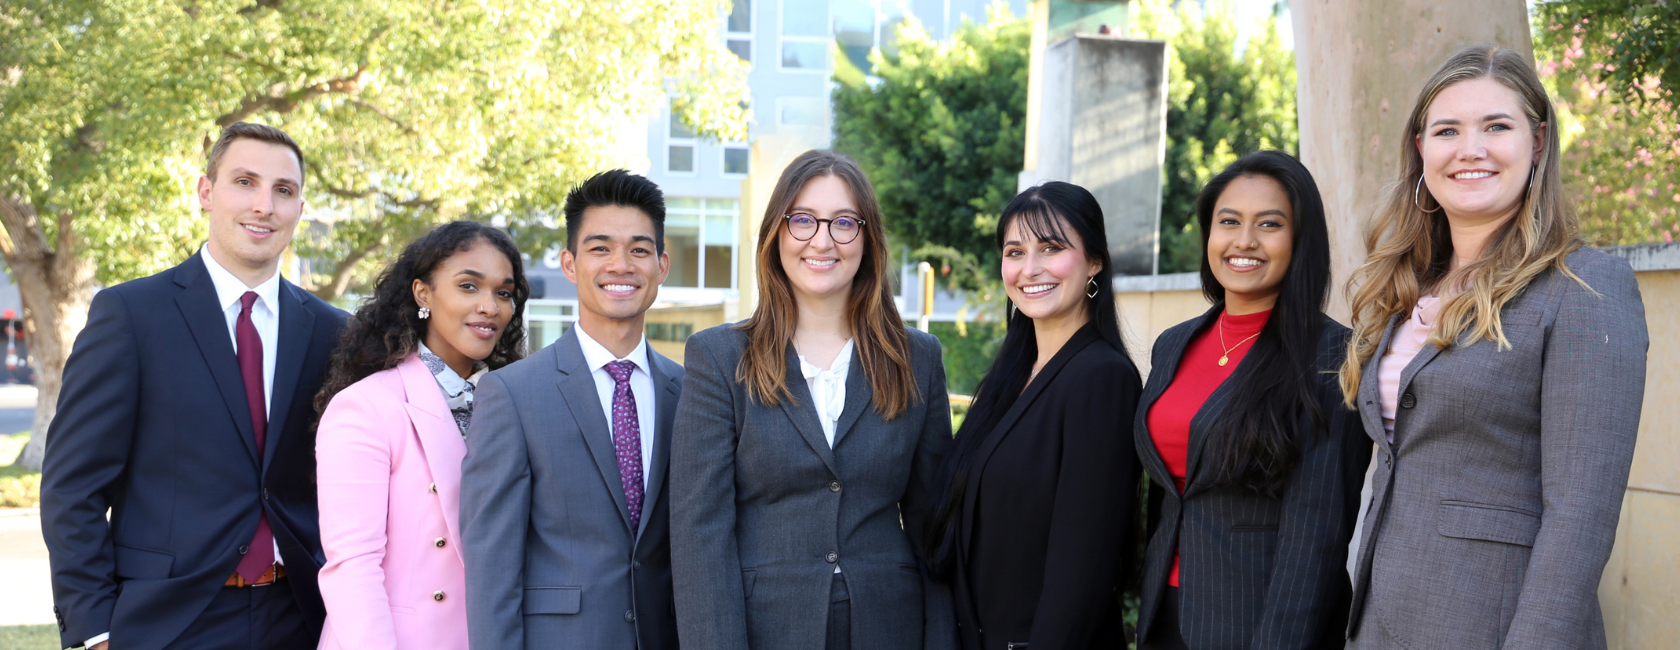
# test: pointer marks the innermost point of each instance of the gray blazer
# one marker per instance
(545, 529)
(762, 509)
(1493, 513)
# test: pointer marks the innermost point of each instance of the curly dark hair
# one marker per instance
(387, 327)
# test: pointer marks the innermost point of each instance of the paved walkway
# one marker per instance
(27, 596)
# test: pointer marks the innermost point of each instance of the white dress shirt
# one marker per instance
(828, 392)
(265, 315)
(597, 357)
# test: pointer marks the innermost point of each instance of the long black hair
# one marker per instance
(1254, 444)
(387, 327)
(1047, 212)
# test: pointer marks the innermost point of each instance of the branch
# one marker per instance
(376, 111)
(415, 202)
(342, 275)
(24, 240)
(283, 102)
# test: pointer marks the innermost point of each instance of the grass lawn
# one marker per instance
(18, 488)
(29, 637)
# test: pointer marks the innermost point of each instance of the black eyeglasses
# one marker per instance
(842, 230)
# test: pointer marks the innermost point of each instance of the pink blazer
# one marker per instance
(388, 458)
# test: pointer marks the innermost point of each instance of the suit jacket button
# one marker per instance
(432, 488)
(629, 616)
(636, 564)
(833, 486)
(244, 549)
(265, 494)
(1407, 401)
(832, 557)
(438, 595)
(440, 542)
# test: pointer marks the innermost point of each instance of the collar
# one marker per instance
(453, 384)
(841, 361)
(596, 355)
(229, 288)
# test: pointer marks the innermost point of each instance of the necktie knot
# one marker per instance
(245, 301)
(620, 370)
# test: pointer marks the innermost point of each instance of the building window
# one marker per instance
(801, 111)
(735, 160)
(680, 146)
(854, 30)
(547, 320)
(700, 238)
(739, 28)
(804, 35)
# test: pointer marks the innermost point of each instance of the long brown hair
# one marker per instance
(1410, 249)
(878, 334)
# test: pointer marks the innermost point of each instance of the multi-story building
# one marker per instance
(789, 44)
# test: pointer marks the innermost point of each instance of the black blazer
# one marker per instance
(152, 424)
(1257, 572)
(1048, 507)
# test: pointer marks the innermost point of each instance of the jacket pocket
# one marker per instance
(1486, 522)
(553, 600)
(748, 578)
(142, 564)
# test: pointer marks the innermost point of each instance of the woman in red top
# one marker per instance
(1255, 465)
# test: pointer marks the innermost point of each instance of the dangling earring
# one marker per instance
(1093, 292)
(425, 313)
(1415, 202)
(1012, 310)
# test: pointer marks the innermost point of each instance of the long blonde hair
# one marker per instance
(1409, 249)
(878, 334)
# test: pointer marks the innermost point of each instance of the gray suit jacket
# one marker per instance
(1493, 513)
(545, 529)
(763, 509)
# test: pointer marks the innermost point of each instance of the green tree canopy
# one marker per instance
(1636, 43)
(408, 112)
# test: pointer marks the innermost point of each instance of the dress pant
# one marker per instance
(839, 615)
(1166, 635)
(249, 618)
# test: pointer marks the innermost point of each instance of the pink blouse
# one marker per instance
(1409, 338)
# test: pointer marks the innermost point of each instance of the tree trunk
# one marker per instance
(346, 271)
(1357, 72)
(57, 285)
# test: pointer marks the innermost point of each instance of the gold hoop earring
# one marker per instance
(1415, 202)
(1094, 287)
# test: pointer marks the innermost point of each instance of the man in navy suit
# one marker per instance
(186, 410)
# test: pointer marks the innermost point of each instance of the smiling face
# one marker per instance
(618, 267)
(252, 207)
(818, 268)
(1478, 150)
(1250, 242)
(471, 295)
(1046, 280)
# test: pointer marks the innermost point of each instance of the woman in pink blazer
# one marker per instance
(392, 435)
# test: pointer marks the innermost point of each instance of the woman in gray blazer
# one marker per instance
(803, 440)
(1499, 366)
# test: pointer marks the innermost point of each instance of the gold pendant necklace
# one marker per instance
(1226, 357)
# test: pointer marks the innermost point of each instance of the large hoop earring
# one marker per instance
(1415, 202)
(1094, 287)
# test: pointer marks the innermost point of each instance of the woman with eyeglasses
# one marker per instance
(803, 441)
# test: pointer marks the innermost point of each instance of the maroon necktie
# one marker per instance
(260, 556)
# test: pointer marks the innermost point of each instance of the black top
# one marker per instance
(1049, 506)
(1255, 571)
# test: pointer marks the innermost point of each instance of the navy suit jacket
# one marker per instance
(152, 424)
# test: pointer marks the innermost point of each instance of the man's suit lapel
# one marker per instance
(297, 326)
(577, 386)
(802, 410)
(860, 394)
(665, 402)
(197, 302)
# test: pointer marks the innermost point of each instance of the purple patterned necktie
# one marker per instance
(260, 556)
(627, 438)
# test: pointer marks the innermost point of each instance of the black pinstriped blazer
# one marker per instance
(1254, 571)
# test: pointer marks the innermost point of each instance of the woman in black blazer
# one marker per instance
(1255, 464)
(1039, 491)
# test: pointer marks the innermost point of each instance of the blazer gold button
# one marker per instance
(832, 557)
(432, 488)
(833, 486)
(440, 542)
(1407, 401)
(437, 595)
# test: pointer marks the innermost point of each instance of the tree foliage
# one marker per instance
(941, 136)
(1221, 104)
(1635, 43)
(1621, 142)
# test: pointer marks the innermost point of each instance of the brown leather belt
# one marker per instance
(268, 577)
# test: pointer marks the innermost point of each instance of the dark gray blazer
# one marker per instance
(762, 509)
(545, 529)
(1257, 571)
(1493, 513)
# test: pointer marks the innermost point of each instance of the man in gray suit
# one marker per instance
(564, 517)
